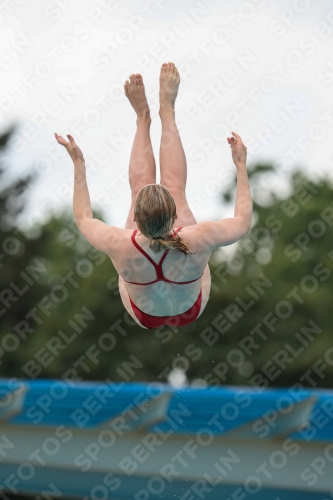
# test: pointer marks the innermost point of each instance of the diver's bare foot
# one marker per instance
(169, 83)
(135, 92)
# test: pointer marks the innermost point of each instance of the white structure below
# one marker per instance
(145, 441)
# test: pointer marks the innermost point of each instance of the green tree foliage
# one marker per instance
(271, 307)
(267, 321)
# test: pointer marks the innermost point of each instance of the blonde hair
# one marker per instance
(155, 214)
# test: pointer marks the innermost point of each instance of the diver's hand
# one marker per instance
(238, 150)
(72, 148)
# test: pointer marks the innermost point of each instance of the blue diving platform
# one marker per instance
(147, 441)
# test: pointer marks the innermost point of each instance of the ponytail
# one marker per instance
(171, 242)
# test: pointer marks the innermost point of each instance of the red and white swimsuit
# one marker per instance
(149, 321)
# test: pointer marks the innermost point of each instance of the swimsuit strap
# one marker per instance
(141, 249)
(158, 267)
(145, 253)
(163, 257)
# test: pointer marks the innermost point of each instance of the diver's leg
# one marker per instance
(172, 157)
(142, 167)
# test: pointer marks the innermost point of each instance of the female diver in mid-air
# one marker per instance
(158, 286)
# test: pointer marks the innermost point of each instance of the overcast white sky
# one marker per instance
(261, 68)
